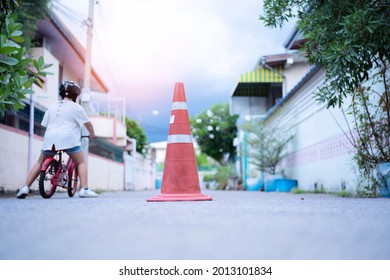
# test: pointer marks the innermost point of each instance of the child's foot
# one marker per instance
(23, 192)
(87, 193)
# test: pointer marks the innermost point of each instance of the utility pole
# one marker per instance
(86, 91)
(31, 134)
(87, 68)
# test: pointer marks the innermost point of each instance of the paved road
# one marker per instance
(235, 225)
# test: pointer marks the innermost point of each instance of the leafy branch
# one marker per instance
(18, 70)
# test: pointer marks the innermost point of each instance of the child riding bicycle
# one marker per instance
(63, 122)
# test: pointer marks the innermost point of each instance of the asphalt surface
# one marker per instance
(235, 225)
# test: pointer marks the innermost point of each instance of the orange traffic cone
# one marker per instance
(180, 180)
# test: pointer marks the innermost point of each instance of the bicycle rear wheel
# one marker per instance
(73, 180)
(48, 178)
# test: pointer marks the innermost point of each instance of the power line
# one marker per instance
(108, 65)
(77, 20)
(110, 49)
(59, 5)
(75, 16)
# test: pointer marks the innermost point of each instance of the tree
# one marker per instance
(267, 145)
(370, 132)
(29, 12)
(7, 6)
(134, 130)
(214, 131)
(18, 70)
(204, 162)
(348, 39)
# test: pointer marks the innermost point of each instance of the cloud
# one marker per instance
(142, 48)
(172, 39)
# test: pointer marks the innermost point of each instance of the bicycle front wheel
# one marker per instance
(48, 179)
(72, 180)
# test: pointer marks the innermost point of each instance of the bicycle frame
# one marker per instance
(57, 179)
(69, 165)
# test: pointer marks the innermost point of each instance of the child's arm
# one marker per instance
(90, 129)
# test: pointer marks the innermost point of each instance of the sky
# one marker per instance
(141, 48)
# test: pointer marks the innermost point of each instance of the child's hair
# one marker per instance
(70, 89)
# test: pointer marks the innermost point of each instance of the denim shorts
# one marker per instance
(73, 150)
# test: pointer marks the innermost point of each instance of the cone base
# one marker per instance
(180, 197)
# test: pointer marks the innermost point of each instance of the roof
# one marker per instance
(274, 59)
(67, 49)
(295, 41)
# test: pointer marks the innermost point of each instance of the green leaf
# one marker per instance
(27, 91)
(46, 66)
(8, 50)
(9, 60)
(17, 79)
(18, 39)
(28, 84)
(10, 43)
(16, 33)
(40, 62)
(3, 39)
(23, 80)
(18, 25)
(35, 63)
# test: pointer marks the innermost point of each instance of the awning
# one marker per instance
(258, 81)
(251, 89)
(263, 75)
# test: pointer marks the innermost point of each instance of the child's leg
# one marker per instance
(35, 170)
(78, 158)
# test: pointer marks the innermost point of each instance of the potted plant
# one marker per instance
(267, 148)
(254, 182)
(383, 176)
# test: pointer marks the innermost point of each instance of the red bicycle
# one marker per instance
(54, 174)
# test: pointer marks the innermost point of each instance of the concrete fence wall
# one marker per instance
(14, 157)
(320, 154)
(140, 173)
(103, 174)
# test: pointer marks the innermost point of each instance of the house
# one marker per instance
(109, 155)
(260, 89)
(257, 92)
(320, 155)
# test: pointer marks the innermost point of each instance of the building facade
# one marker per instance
(319, 155)
(109, 156)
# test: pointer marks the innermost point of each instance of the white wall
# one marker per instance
(49, 94)
(140, 173)
(13, 155)
(320, 153)
(160, 151)
(108, 127)
(103, 173)
(294, 73)
(248, 105)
